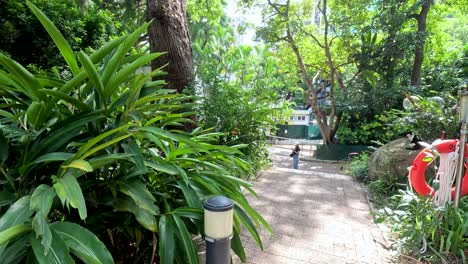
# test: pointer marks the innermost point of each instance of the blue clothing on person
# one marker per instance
(295, 156)
(296, 161)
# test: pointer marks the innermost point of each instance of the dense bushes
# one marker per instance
(421, 230)
(241, 89)
(358, 167)
(426, 117)
(94, 167)
(427, 231)
(26, 41)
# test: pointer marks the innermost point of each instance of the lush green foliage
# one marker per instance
(372, 45)
(240, 87)
(426, 117)
(384, 55)
(94, 167)
(27, 42)
(359, 166)
(427, 231)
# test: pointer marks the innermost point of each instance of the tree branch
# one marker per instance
(313, 37)
(415, 16)
(275, 6)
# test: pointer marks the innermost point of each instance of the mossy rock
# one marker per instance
(392, 160)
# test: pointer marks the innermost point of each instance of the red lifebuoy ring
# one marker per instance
(424, 158)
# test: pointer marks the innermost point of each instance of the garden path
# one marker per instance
(318, 215)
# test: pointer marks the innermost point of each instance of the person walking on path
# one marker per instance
(295, 156)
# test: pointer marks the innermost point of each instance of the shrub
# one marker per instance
(427, 231)
(359, 167)
(426, 117)
(95, 168)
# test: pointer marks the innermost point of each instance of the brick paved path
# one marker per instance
(317, 217)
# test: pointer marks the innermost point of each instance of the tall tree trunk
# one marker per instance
(169, 33)
(420, 42)
(327, 124)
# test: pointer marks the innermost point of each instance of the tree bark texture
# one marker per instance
(169, 33)
(420, 42)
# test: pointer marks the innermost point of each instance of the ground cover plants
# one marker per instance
(96, 169)
(421, 231)
(425, 231)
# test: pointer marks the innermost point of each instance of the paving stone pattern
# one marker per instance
(317, 217)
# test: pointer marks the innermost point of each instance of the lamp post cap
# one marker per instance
(218, 203)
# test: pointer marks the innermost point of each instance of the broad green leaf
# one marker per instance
(144, 217)
(193, 213)
(41, 227)
(3, 148)
(154, 97)
(24, 78)
(15, 252)
(245, 219)
(112, 65)
(209, 185)
(100, 161)
(74, 82)
(83, 243)
(54, 156)
(135, 86)
(69, 192)
(160, 132)
(186, 239)
(107, 48)
(242, 163)
(12, 232)
(17, 214)
(57, 37)
(105, 145)
(180, 152)
(254, 215)
(166, 134)
(140, 194)
(162, 167)
(91, 143)
(80, 164)
(157, 141)
(64, 131)
(69, 99)
(50, 82)
(137, 157)
(93, 74)
(166, 240)
(236, 245)
(6, 198)
(190, 195)
(204, 164)
(37, 114)
(7, 114)
(42, 198)
(238, 181)
(58, 252)
(127, 71)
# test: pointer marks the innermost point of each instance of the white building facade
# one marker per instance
(300, 117)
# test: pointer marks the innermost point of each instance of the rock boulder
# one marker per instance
(392, 160)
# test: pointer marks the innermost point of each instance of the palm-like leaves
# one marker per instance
(99, 142)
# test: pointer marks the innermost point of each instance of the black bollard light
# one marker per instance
(218, 229)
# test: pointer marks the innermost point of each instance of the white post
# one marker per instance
(463, 133)
(218, 229)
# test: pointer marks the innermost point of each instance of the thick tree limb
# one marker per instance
(420, 43)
